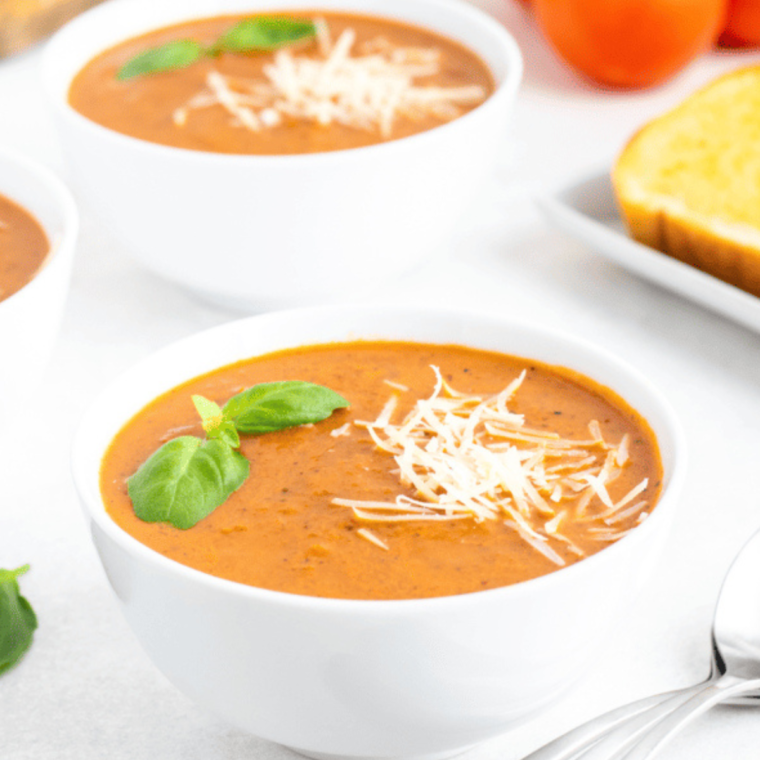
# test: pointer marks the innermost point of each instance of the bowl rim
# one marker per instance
(63, 200)
(658, 519)
(504, 91)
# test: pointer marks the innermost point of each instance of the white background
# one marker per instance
(85, 690)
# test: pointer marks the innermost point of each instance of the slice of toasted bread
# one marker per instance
(24, 22)
(688, 183)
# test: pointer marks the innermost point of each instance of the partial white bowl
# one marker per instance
(262, 232)
(371, 679)
(30, 319)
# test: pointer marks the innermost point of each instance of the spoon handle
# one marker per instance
(584, 736)
(709, 695)
(619, 739)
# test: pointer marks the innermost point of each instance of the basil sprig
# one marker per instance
(185, 480)
(188, 477)
(215, 422)
(268, 407)
(264, 33)
(17, 619)
(261, 33)
(173, 55)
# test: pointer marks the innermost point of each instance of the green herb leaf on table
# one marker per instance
(264, 33)
(260, 33)
(17, 619)
(268, 407)
(215, 422)
(186, 480)
(173, 55)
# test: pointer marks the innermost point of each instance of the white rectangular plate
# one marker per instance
(587, 211)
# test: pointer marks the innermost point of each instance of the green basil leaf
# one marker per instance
(264, 33)
(17, 619)
(215, 423)
(173, 55)
(267, 407)
(186, 480)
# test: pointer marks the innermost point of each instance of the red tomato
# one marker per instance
(742, 27)
(630, 43)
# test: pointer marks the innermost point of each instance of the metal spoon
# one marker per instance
(734, 676)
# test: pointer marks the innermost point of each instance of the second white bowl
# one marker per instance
(262, 232)
(30, 319)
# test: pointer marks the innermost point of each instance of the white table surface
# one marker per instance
(86, 690)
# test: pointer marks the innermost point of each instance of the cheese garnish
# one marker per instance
(470, 458)
(368, 91)
(372, 538)
(341, 431)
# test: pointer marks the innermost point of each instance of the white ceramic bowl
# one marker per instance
(370, 679)
(261, 232)
(31, 317)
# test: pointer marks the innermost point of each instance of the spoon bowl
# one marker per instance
(736, 629)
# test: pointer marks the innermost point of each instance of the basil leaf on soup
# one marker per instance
(267, 407)
(215, 423)
(249, 35)
(173, 55)
(264, 33)
(188, 477)
(186, 480)
(17, 619)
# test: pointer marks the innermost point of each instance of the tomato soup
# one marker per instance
(23, 247)
(306, 520)
(360, 81)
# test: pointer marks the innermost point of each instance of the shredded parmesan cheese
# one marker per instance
(372, 538)
(471, 458)
(341, 431)
(368, 91)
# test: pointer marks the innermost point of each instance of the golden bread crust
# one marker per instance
(688, 183)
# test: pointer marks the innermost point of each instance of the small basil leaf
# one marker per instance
(173, 55)
(264, 33)
(186, 480)
(275, 406)
(17, 619)
(215, 423)
(228, 434)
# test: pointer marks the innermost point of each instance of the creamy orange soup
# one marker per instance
(288, 528)
(23, 247)
(222, 103)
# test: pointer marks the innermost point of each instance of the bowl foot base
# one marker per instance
(430, 756)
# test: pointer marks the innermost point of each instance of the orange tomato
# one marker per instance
(742, 28)
(630, 43)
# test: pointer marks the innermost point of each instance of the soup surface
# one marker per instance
(288, 527)
(23, 247)
(362, 80)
